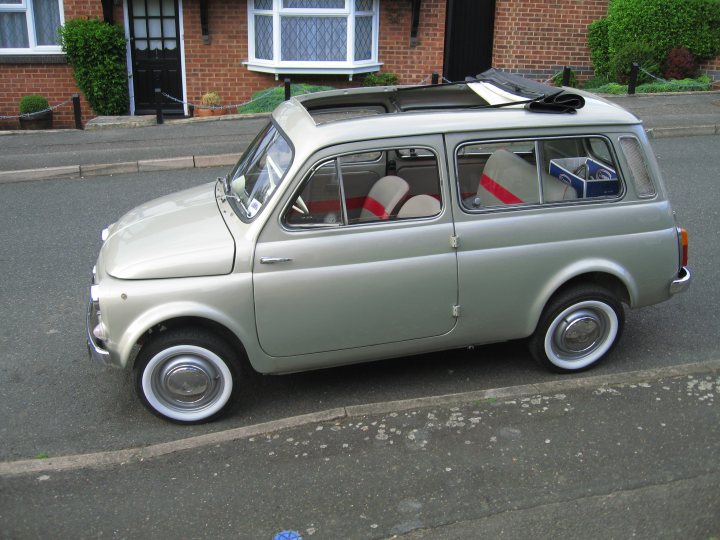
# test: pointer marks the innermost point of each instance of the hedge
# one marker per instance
(96, 52)
(653, 27)
(665, 24)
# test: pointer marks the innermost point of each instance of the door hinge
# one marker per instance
(456, 311)
(454, 242)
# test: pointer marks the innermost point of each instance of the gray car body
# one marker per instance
(386, 289)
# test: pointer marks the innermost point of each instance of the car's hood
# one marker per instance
(179, 235)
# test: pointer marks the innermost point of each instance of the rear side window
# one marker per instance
(530, 172)
(638, 166)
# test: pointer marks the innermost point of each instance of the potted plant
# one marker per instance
(209, 99)
(35, 112)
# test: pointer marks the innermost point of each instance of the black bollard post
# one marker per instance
(158, 107)
(632, 80)
(76, 111)
(435, 77)
(287, 89)
(566, 76)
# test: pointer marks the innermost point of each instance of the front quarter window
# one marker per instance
(259, 172)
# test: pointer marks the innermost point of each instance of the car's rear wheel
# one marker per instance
(186, 376)
(577, 329)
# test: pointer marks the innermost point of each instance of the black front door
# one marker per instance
(155, 47)
(468, 38)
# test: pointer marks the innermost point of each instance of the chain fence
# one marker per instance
(222, 107)
(36, 113)
(676, 84)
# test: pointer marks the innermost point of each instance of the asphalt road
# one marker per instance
(55, 402)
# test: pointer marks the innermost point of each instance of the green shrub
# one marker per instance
(599, 46)
(96, 52)
(693, 24)
(596, 82)
(380, 79)
(266, 100)
(32, 104)
(645, 55)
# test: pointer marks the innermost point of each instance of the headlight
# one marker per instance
(104, 234)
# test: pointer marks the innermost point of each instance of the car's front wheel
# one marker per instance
(186, 375)
(577, 329)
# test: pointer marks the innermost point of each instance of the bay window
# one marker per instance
(30, 26)
(313, 36)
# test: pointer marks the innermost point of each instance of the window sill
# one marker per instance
(33, 58)
(310, 68)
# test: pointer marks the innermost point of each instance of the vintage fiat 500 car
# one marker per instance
(373, 223)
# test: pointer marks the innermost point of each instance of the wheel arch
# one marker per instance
(191, 321)
(175, 316)
(609, 276)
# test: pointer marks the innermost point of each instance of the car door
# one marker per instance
(329, 276)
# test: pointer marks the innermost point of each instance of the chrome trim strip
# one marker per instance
(682, 282)
(96, 353)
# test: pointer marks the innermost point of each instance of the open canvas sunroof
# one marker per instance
(491, 89)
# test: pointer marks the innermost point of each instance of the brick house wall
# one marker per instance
(53, 79)
(533, 38)
(537, 38)
(218, 65)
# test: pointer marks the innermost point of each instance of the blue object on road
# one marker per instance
(288, 535)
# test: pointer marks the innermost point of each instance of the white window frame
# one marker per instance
(348, 67)
(26, 6)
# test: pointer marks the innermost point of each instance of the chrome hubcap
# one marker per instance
(579, 332)
(187, 382)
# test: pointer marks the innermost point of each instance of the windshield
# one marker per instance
(259, 172)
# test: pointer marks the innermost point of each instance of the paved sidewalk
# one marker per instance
(577, 458)
(211, 142)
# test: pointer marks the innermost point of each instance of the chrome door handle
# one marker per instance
(273, 260)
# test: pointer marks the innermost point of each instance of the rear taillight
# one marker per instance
(683, 234)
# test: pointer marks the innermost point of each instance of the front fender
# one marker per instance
(174, 310)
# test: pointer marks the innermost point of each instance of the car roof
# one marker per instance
(326, 118)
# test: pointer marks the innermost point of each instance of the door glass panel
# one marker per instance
(140, 29)
(155, 45)
(318, 205)
(138, 7)
(168, 28)
(141, 44)
(153, 7)
(170, 44)
(168, 8)
(155, 28)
